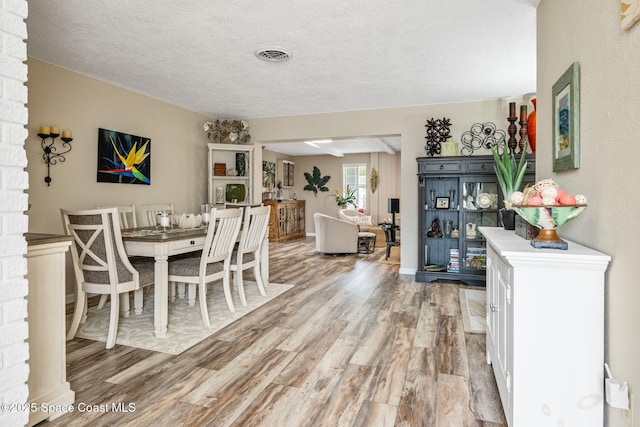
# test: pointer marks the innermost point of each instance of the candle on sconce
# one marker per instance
(523, 113)
(55, 130)
(44, 130)
(512, 109)
(66, 134)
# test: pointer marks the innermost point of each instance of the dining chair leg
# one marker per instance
(124, 304)
(181, 287)
(192, 294)
(103, 301)
(239, 284)
(78, 314)
(138, 303)
(113, 321)
(226, 284)
(172, 291)
(83, 319)
(257, 271)
(202, 295)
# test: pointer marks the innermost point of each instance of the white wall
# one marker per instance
(14, 350)
(589, 32)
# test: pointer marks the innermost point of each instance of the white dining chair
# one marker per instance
(154, 209)
(213, 264)
(127, 214)
(101, 265)
(247, 252)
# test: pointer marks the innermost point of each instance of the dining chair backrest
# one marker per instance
(99, 259)
(254, 229)
(221, 237)
(152, 210)
(127, 215)
(248, 252)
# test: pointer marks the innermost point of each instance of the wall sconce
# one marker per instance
(51, 155)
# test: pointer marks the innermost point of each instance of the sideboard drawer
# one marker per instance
(444, 167)
(477, 166)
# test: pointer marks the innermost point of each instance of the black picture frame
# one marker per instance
(566, 120)
(442, 203)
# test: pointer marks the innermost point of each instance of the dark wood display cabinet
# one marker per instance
(456, 195)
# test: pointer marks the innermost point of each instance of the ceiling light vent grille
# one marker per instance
(273, 54)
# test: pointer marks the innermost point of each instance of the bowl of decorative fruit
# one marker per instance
(547, 207)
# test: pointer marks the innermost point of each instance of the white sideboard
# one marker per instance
(48, 385)
(545, 330)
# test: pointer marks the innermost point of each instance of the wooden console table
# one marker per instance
(287, 219)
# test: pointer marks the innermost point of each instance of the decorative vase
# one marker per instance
(531, 127)
(508, 218)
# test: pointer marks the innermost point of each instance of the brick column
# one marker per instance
(14, 350)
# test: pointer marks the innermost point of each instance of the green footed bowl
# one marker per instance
(548, 218)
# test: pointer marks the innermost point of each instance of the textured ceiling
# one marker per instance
(346, 55)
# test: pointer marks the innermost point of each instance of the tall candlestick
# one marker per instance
(512, 109)
(523, 113)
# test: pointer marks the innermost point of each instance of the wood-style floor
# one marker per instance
(352, 344)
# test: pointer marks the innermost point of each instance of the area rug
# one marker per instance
(185, 322)
(474, 310)
(394, 256)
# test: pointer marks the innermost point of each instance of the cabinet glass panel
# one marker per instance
(480, 200)
(441, 225)
(478, 195)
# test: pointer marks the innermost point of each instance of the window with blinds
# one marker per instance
(355, 176)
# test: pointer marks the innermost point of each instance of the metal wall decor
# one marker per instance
(51, 155)
(228, 131)
(482, 135)
(437, 132)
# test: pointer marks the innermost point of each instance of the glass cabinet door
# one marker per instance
(480, 201)
(441, 222)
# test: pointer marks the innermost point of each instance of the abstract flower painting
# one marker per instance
(123, 158)
(630, 13)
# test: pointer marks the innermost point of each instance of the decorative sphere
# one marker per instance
(517, 197)
(580, 199)
(549, 193)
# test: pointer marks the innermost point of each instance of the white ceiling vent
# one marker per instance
(273, 54)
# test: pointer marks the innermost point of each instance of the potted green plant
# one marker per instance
(349, 198)
(510, 174)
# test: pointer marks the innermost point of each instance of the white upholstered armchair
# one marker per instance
(335, 236)
(361, 220)
(364, 223)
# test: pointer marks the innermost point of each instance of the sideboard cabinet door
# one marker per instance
(545, 330)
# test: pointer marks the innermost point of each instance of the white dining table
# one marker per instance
(147, 242)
